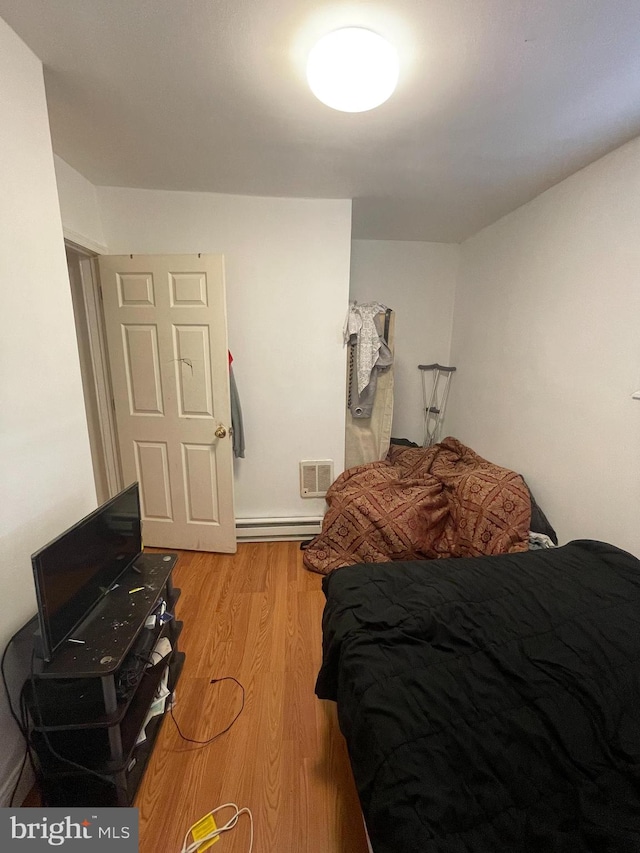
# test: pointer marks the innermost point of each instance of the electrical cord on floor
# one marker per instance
(224, 731)
(23, 726)
(230, 824)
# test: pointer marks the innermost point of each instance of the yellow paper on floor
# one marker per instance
(202, 828)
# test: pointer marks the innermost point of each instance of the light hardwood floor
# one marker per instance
(256, 616)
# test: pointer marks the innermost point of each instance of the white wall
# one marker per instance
(79, 207)
(287, 278)
(46, 476)
(416, 280)
(547, 342)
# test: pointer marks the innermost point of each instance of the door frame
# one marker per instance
(98, 398)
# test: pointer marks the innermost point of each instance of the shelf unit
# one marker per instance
(89, 705)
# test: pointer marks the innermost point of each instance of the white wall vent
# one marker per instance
(315, 477)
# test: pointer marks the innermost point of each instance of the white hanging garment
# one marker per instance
(367, 439)
(361, 322)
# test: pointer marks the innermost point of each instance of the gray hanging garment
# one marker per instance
(361, 405)
(237, 426)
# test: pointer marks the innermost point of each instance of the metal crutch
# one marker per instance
(435, 408)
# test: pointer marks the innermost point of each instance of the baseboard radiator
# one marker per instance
(277, 529)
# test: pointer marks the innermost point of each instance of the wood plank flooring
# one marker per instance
(256, 616)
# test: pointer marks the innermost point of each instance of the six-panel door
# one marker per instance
(166, 331)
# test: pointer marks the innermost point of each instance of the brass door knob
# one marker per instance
(220, 432)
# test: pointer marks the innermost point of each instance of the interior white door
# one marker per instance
(166, 327)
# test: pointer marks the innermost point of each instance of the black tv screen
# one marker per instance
(74, 572)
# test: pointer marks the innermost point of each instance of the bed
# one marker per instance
(491, 703)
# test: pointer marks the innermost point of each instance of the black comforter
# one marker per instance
(492, 703)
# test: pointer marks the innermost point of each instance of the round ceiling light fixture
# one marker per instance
(353, 70)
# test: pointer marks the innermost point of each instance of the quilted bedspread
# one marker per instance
(491, 704)
(421, 503)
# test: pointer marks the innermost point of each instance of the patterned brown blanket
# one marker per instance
(422, 503)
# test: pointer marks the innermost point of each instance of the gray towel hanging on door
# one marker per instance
(237, 426)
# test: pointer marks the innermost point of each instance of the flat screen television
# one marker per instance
(74, 571)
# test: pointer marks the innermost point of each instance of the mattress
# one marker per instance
(491, 703)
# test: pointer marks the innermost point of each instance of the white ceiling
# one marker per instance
(498, 100)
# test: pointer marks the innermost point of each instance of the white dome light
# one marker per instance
(353, 70)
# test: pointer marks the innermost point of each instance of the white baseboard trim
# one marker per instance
(26, 784)
(277, 529)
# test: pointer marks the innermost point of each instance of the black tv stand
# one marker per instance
(89, 706)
